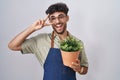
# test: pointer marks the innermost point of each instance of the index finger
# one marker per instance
(46, 18)
(77, 61)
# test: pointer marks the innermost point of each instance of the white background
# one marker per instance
(95, 22)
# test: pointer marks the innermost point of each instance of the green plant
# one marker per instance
(71, 44)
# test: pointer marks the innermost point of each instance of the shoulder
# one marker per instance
(42, 36)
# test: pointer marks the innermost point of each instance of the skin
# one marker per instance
(60, 28)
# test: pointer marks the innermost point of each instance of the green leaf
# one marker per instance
(71, 44)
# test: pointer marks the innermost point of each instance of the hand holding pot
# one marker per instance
(76, 65)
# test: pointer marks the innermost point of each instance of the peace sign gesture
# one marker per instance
(41, 23)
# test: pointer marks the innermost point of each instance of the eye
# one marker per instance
(52, 18)
(61, 16)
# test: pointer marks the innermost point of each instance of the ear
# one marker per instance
(67, 18)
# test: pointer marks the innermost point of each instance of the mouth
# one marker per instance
(58, 26)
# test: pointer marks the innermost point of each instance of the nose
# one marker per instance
(57, 20)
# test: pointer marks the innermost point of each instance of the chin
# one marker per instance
(60, 32)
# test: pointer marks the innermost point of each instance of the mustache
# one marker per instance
(58, 23)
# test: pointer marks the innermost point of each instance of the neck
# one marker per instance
(62, 36)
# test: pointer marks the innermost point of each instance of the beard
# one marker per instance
(60, 32)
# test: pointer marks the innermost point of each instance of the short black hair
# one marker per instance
(57, 7)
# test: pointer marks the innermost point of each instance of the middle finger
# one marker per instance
(46, 18)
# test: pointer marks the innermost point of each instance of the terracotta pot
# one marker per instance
(69, 57)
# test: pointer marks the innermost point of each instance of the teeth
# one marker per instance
(58, 25)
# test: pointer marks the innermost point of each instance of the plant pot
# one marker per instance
(69, 57)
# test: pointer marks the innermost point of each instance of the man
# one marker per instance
(45, 46)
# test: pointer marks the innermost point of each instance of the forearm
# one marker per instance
(15, 43)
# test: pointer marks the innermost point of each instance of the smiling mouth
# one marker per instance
(58, 25)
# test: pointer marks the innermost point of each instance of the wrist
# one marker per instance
(81, 70)
(31, 29)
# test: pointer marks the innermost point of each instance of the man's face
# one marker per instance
(59, 22)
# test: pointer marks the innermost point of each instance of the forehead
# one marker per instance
(55, 14)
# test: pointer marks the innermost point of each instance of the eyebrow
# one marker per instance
(58, 15)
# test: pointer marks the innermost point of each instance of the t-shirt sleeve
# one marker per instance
(83, 58)
(28, 46)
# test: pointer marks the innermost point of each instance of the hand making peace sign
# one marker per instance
(41, 23)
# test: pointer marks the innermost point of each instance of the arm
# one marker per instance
(16, 42)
